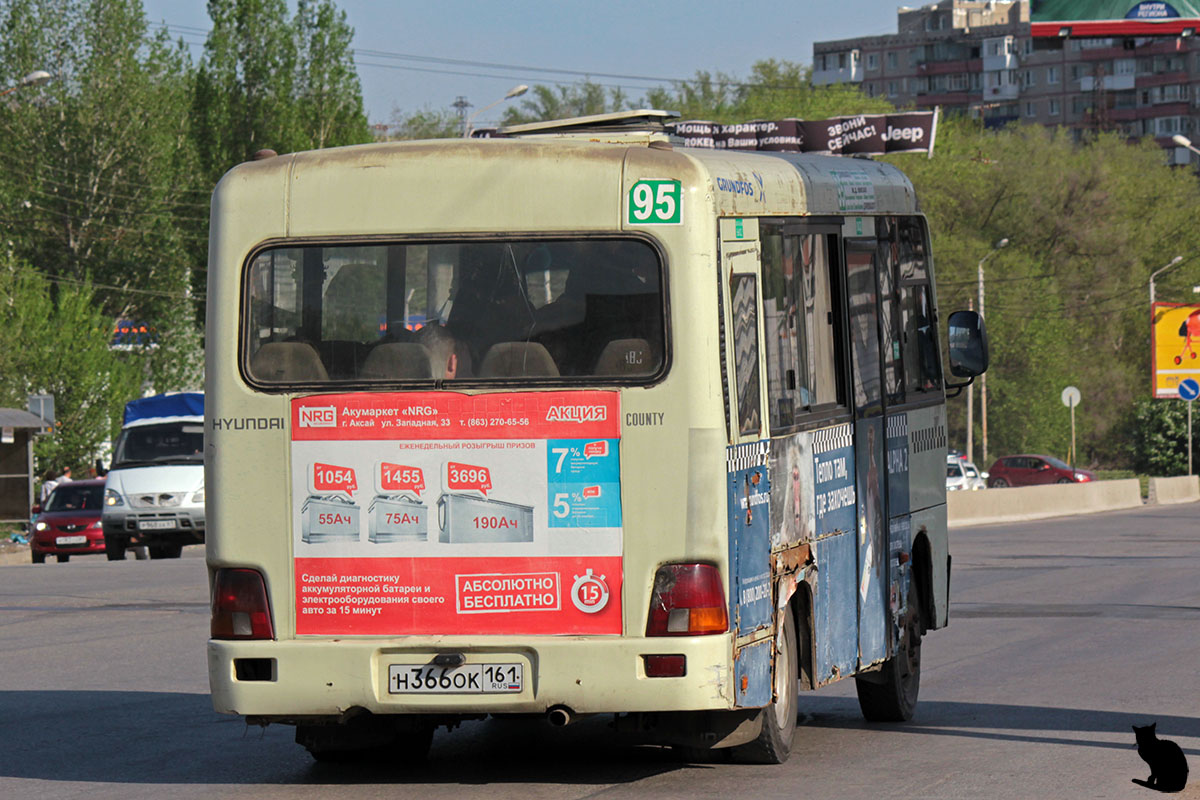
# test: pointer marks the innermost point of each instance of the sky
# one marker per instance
(409, 53)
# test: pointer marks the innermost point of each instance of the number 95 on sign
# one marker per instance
(656, 202)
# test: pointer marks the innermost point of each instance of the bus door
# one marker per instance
(748, 488)
(813, 505)
(862, 293)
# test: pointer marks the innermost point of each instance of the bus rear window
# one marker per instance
(533, 310)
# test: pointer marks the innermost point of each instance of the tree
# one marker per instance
(426, 124)
(576, 100)
(57, 342)
(1156, 437)
(775, 90)
(330, 103)
(269, 83)
(99, 184)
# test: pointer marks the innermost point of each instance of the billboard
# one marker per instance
(1174, 342)
(874, 134)
(1104, 18)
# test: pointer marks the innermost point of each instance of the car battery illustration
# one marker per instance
(329, 513)
(397, 518)
(328, 518)
(397, 513)
(467, 519)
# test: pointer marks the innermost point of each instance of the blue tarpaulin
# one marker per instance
(172, 404)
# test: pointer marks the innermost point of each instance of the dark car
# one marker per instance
(1034, 471)
(69, 523)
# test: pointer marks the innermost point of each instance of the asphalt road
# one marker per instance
(1064, 633)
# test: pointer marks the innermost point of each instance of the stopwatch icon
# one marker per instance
(589, 593)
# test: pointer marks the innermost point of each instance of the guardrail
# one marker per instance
(1023, 503)
(1184, 489)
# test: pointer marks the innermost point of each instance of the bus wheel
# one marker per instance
(774, 742)
(890, 695)
(114, 548)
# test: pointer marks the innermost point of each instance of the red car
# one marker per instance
(69, 524)
(1034, 471)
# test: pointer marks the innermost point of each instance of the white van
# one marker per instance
(154, 490)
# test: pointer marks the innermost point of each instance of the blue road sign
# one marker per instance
(1188, 389)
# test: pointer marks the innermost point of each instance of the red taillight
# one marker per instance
(688, 600)
(239, 607)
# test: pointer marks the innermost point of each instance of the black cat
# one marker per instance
(1168, 766)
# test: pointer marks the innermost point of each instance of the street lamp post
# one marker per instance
(35, 78)
(1156, 273)
(983, 378)
(1184, 141)
(516, 91)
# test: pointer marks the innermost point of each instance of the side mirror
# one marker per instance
(37, 508)
(968, 344)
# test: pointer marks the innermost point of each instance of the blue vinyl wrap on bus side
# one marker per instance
(835, 605)
(750, 607)
(872, 548)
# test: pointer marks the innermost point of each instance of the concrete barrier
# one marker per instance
(1182, 489)
(1022, 503)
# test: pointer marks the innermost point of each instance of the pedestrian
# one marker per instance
(66, 475)
(48, 484)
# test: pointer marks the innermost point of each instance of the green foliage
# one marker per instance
(1066, 301)
(775, 90)
(578, 100)
(269, 83)
(100, 185)
(1155, 435)
(56, 342)
(425, 124)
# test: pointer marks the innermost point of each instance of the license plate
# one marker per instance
(65, 540)
(156, 524)
(467, 679)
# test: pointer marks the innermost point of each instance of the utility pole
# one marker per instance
(983, 378)
(461, 105)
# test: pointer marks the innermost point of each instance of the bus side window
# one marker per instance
(801, 324)
(745, 352)
(921, 363)
(887, 257)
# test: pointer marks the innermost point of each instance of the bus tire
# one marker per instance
(114, 548)
(891, 694)
(774, 742)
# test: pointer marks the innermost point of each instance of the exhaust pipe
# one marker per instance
(560, 716)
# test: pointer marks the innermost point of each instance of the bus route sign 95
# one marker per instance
(656, 202)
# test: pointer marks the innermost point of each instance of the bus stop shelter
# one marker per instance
(17, 429)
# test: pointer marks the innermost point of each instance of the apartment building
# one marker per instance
(978, 58)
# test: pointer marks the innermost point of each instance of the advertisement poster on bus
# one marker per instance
(1175, 341)
(444, 513)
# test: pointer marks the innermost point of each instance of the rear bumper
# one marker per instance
(593, 675)
(93, 546)
(188, 527)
